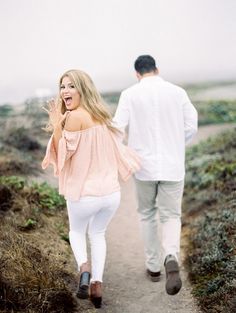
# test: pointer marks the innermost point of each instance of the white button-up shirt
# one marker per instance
(161, 120)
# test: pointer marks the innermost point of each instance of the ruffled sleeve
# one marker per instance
(68, 144)
(50, 157)
(127, 159)
(66, 148)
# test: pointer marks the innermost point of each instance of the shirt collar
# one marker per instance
(153, 77)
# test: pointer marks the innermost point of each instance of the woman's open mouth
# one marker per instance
(68, 101)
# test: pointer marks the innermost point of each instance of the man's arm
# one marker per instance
(190, 119)
(121, 118)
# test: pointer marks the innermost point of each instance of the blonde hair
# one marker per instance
(90, 98)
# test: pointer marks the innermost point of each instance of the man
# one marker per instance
(161, 120)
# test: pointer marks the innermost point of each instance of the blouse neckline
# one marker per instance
(84, 130)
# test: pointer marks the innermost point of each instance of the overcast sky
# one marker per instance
(192, 40)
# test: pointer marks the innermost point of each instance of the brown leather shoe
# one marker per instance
(153, 276)
(96, 293)
(173, 280)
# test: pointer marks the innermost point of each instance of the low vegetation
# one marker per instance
(210, 207)
(20, 138)
(5, 110)
(218, 111)
(32, 274)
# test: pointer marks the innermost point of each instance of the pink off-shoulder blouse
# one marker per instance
(89, 161)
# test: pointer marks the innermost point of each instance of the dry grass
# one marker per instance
(33, 268)
(30, 281)
(17, 167)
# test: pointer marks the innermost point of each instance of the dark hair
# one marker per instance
(145, 64)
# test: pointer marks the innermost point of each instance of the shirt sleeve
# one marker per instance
(121, 118)
(190, 119)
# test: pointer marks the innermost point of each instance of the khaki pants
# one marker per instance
(164, 197)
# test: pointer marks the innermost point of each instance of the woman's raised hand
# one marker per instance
(56, 118)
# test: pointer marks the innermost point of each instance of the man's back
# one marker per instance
(161, 119)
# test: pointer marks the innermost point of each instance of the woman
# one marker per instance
(87, 156)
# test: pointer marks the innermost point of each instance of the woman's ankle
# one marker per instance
(85, 267)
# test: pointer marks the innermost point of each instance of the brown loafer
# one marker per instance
(173, 280)
(153, 276)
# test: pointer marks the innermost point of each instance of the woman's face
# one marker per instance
(69, 94)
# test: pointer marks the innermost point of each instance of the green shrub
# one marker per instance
(40, 196)
(111, 97)
(212, 264)
(211, 163)
(15, 182)
(210, 195)
(29, 224)
(5, 110)
(46, 197)
(217, 111)
(225, 142)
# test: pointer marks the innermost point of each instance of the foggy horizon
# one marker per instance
(192, 42)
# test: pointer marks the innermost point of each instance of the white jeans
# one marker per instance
(166, 198)
(93, 213)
